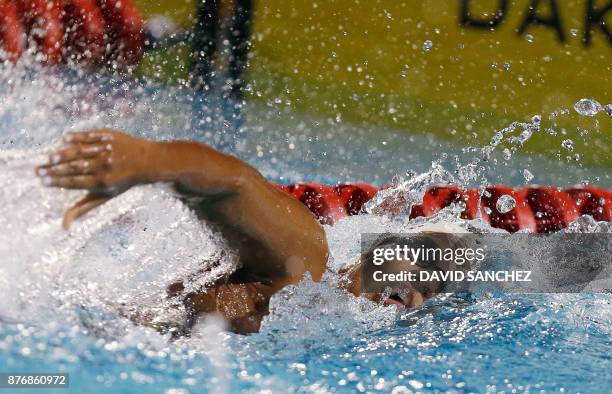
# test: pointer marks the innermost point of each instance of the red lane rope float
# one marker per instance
(125, 27)
(89, 31)
(322, 200)
(12, 32)
(85, 30)
(540, 209)
(553, 209)
(591, 200)
(43, 19)
(354, 196)
(520, 218)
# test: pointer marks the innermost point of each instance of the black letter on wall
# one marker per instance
(498, 16)
(596, 17)
(554, 20)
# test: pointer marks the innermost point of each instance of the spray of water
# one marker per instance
(79, 286)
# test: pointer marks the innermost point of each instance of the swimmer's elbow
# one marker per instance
(309, 258)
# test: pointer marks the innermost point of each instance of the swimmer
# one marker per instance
(276, 237)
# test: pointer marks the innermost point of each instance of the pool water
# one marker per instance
(64, 292)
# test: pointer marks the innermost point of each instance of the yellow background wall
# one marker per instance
(370, 62)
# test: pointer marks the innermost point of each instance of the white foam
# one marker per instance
(123, 254)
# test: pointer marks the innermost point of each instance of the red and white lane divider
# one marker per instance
(541, 209)
(87, 31)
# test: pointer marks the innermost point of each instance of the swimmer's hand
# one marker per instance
(276, 236)
(104, 162)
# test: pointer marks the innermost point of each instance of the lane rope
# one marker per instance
(540, 209)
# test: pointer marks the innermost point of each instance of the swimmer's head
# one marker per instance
(408, 293)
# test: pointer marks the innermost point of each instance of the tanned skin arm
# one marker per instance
(279, 237)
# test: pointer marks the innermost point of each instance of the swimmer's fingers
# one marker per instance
(88, 137)
(75, 167)
(77, 151)
(89, 182)
(81, 207)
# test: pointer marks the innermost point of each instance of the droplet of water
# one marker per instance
(586, 224)
(527, 175)
(608, 109)
(488, 210)
(587, 107)
(568, 144)
(467, 173)
(529, 38)
(427, 45)
(505, 204)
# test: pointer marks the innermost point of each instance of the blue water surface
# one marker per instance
(317, 338)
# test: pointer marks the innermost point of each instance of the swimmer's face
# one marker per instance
(409, 295)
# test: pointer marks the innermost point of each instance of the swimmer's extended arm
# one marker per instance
(107, 162)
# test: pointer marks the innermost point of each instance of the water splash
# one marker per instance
(568, 144)
(120, 257)
(399, 200)
(587, 107)
(65, 312)
(505, 204)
